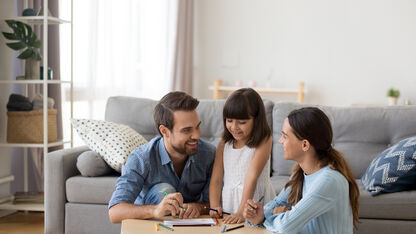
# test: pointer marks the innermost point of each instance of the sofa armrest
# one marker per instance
(60, 165)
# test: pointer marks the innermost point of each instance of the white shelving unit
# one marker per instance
(44, 21)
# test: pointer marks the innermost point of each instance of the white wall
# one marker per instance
(345, 51)
(6, 68)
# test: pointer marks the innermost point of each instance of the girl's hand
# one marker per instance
(280, 209)
(215, 214)
(233, 218)
(253, 212)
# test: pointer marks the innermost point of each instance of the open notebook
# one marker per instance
(190, 222)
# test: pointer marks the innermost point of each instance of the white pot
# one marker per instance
(392, 101)
(32, 69)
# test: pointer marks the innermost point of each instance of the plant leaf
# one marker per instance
(20, 30)
(11, 23)
(16, 45)
(29, 30)
(26, 54)
(10, 36)
(36, 44)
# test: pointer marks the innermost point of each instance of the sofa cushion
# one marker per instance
(94, 190)
(360, 133)
(114, 142)
(89, 163)
(140, 116)
(394, 170)
(400, 205)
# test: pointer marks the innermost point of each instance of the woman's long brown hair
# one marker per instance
(310, 123)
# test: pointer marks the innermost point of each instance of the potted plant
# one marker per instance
(25, 39)
(393, 95)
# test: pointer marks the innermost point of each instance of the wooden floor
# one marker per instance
(21, 223)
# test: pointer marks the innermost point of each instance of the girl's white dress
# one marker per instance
(236, 164)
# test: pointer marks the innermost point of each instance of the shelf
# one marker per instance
(34, 82)
(23, 206)
(34, 145)
(258, 89)
(38, 20)
(6, 179)
(219, 89)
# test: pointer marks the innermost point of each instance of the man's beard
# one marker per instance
(183, 149)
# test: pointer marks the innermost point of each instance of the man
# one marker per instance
(171, 173)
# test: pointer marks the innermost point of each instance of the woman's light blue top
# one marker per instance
(324, 207)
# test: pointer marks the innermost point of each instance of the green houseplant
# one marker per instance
(25, 39)
(393, 95)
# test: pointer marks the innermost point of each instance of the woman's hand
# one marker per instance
(280, 209)
(253, 212)
(215, 214)
(233, 218)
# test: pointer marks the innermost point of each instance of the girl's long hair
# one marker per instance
(246, 103)
(310, 123)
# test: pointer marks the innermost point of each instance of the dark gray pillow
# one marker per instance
(89, 163)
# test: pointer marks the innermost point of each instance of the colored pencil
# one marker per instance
(167, 194)
(169, 228)
(261, 198)
(233, 228)
(223, 228)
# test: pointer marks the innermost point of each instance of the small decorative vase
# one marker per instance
(32, 69)
(392, 101)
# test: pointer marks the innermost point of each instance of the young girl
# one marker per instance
(241, 167)
(322, 195)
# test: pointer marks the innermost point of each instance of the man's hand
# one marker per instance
(234, 218)
(280, 209)
(253, 212)
(192, 210)
(170, 204)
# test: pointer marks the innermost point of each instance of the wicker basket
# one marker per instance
(27, 126)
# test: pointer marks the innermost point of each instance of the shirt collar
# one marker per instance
(164, 156)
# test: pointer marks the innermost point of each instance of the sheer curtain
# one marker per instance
(120, 48)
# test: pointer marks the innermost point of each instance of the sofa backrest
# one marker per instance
(138, 114)
(360, 133)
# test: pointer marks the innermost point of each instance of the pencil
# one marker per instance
(156, 227)
(167, 194)
(208, 208)
(261, 198)
(216, 220)
(233, 228)
(169, 228)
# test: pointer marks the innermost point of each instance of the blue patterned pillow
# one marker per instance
(393, 170)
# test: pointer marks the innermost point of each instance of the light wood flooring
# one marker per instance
(22, 223)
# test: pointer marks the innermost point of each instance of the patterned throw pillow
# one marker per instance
(114, 142)
(393, 170)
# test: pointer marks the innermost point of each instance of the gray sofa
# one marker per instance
(76, 204)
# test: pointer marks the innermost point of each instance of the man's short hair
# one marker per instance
(173, 101)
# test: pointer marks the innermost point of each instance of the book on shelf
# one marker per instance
(28, 197)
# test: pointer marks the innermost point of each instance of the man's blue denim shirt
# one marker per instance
(150, 164)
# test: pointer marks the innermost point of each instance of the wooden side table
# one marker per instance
(219, 89)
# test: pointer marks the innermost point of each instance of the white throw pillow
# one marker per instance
(114, 142)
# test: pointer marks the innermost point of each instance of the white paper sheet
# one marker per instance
(190, 222)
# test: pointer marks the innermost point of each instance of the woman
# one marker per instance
(322, 195)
